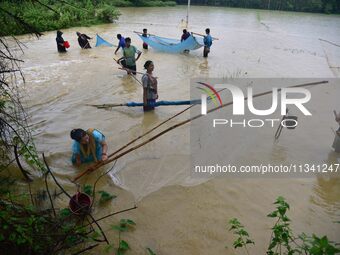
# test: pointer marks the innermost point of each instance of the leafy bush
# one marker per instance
(283, 241)
(76, 13)
(107, 14)
(155, 3)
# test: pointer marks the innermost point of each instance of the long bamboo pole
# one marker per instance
(214, 38)
(99, 164)
(129, 70)
(183, 123)
(142, 33)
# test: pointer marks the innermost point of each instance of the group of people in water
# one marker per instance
(90, 145)
(62, 45)
(130, 55)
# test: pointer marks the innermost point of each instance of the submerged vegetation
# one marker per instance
(283, 241)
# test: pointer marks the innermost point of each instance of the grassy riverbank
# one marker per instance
(45, 15)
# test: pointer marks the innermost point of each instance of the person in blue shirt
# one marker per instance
(121, 43)
(207, 43)
(145, 34)
(88, 146)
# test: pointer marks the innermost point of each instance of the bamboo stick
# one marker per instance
(214, 38)
(104, 106)
(329, 42)
(181, 124)
(99, 164)
(143, 33)
(130, 70)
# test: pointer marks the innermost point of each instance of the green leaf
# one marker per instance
(248, 241)
(285, 218)
(282, 210)
(324, 241)
(87, 189)
(123, 245)
(130, 222)
(242, 232)
(279, 200)
(105, 196)
(119, 228)
(272, 214)
(65, 212)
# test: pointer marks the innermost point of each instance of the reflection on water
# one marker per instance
(327, 189)
(327, 195)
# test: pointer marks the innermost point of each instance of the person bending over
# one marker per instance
(88, 146)
(83, 41)
(121, 43)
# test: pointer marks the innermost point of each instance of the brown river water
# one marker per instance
(178, 214)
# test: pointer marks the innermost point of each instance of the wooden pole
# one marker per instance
(188, 10)
(143, 33)
(214, 38)
(130, 70)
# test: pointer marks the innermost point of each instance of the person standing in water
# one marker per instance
(150, 89)
(83, 41)
(337, 119)
(121, 43)
(88, 146)
(128, 60)
(60, 42)
(185, 35)
(145, 34)
(336, 142)
(207, 43)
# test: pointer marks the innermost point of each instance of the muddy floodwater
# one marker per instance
(176, 213)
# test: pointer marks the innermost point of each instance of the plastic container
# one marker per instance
(66, 44)
(80, 203)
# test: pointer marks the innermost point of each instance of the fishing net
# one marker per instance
(101, 42)
(173, 45)
(332, 54)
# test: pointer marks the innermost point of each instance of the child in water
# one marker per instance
(145, 34)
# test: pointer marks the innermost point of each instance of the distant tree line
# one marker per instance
(321, 6)
(47, 15)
